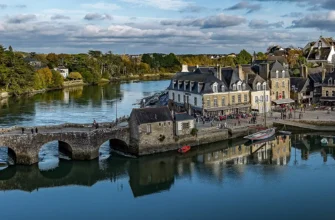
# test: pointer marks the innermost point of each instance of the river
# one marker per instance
(289, 177)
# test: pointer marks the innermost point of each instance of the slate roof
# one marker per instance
(325, 51)
(253, 79)
(327, 77)
(280, 59)
(183, 117)
(278, 66)
(247, 68)
(152, 115)
(299, 83)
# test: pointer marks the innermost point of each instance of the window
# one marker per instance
(277, 84)
(233, 99)
(223, 101)
(267, 98)
(283, 73)
(239, 87)
(244, 86)
(160, 124)
(258, 87)
(215, 102)
(239, 99)
(333, 93)
(148, 128)
(327, 93)
(173, 96)
(195, 101)
(264, 86)
(222, 88)
(261, 98)
(184, 98)
(245, 98)
(256, 99)
(234, 87)
(215, 88)
(178, 97)
(277, 96)
(277, 72)
(284, 95)
(330, 82)
(187, 99)
(185, 125)
(208, 103)
(283, 84)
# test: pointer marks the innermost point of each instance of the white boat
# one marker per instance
(324, 141)
(285, 132)
(261, 135)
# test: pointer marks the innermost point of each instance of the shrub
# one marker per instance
(194, 132)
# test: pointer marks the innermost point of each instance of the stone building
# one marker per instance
(277, 75)
(260, 93)
(328, 88)
(301, 91)
(151, 128)
(184, 123)
(320, 51)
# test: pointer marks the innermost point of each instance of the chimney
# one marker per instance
(218, 72)
(240, 73)
(324, 71)
(184, 68)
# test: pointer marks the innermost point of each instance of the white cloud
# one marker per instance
(161, 4)
(101, 6)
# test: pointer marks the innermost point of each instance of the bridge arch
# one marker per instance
(8, 155)
(50, 153)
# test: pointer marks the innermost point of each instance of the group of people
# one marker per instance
(32, 130)
(95, 124)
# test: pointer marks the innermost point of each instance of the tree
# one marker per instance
(75, 75)
(243, 57)
(57, 79)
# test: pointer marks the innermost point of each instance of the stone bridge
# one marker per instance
(79, 141)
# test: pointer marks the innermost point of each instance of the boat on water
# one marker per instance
(184, 149)
(3, 163)
(261, 135)
(324, 141)
(285, 132)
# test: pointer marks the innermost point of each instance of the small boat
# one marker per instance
(184, 149)
(285, 132)
(3, 163)
(261, 135)
(324, 141)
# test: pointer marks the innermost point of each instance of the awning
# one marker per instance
(283, 101)
(327, 99)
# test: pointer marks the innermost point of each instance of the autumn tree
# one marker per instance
(75, 76)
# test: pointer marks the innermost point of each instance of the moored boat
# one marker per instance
(3, 163)
(184, 149)
(324, 141)
(261, 135)
(285, 132)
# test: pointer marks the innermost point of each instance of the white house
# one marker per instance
(184, 124)
(260, 94)
(320, 51)
(63, 71)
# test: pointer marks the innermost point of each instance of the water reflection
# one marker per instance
(77, 104)
(154, 174)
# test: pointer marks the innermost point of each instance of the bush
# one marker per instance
(194, 132)
(75, 76)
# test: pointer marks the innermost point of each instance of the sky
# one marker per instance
(163, 26)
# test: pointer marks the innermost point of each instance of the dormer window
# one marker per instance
(239, 86)
(277, 72)
(200, 85)
(320, 43)
(215, 88)
(222, 89)
(258, 86)
(191, 86)
(173, 84)
(330, 82)
(244, 86)
(234, 87)
(264, 86)
(283, 73)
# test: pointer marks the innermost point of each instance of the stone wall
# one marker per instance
(280, 88)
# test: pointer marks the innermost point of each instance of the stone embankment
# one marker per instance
(312, 125)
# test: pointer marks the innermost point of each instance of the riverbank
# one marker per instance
(143, 77)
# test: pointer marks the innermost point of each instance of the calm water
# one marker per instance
(284, 178)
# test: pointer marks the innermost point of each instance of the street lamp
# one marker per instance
(116, 94)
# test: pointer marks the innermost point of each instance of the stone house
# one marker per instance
(320, 51)
(277, 75)
(260, 93)
(63, 71)
(150, 128)
(301, 91)
(328, 88)
(33, 62)
(184, 123)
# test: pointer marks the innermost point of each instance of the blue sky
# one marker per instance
(178, 26)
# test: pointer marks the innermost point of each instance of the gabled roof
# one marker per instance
(278, 66)
(316, 77)
(254, 79)
(323, 52)
(299, 83)
(280, 59)
(152, 115)
(328, 76)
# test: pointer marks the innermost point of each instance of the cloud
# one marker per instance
(245, 5)
(20, 6)
(3, 6)
(59, 17)
(161, 4)
(21, 18)
(317, 21)
(101, 6)
(293, 15)
(193, 9)
(96, 16)
(263, 24)
(218, 21)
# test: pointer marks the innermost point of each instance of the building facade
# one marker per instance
(260, 94)
(63, 71)
(328, 88)
(184, 123)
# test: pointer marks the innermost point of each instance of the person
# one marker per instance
(36, 130)
(22, 130)
(32, 131)
(94, 123)
(225, 124)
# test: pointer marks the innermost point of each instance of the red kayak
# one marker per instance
(184, 149)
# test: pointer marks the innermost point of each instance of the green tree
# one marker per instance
(243, 57)
(75, 75)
